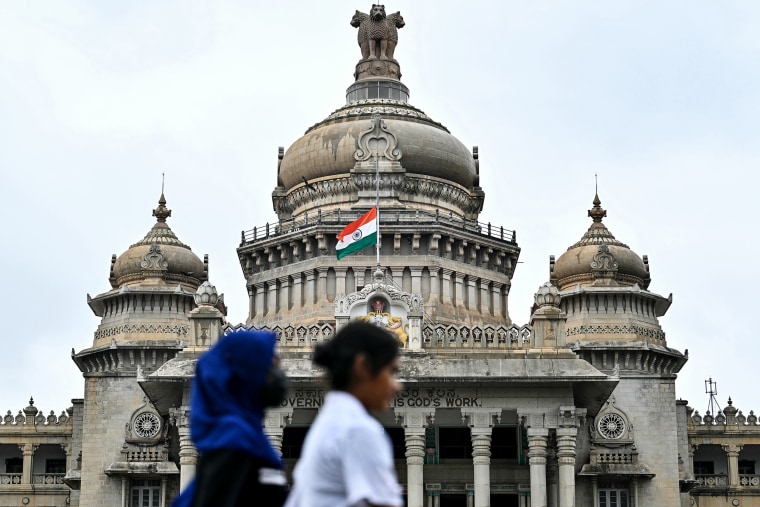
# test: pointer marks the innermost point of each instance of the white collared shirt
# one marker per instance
(346, 460)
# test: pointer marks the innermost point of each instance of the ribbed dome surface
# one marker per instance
(580, 262)
(160, 254)
(327, 148)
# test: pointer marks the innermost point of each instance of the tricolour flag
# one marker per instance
(358, 235)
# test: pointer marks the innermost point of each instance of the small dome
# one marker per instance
(328, 148)
(160, 255)
(599, 259)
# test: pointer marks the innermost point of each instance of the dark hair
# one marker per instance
(338, 355)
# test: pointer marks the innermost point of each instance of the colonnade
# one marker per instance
(546, 489)
(270, 298)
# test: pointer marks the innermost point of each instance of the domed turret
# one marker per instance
(599, 259)
(159, 258)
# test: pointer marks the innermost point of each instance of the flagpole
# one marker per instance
(377, 203)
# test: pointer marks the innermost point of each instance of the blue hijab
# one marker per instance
(226, 411)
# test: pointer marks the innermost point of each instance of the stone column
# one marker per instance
(446, 289)
(28, 462)
(732, 452)
(496, 299)
(340, 281)
(188, 454)
(459, 289)
(485, 297)
(297, 291)
(481, 461)
(274, 426)
(309, 289)
(284, 293)
(566, 459)
(537, 438)
(480, 429)
(258, 305)
(321, 294)
(414, 434)
(271, 297)
(435, 285)
(416, 280)
(251, 302)
(472, 298)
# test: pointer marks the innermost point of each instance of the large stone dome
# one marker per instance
(599, 259)
(160, 257)
(420, 164)
(328, 148)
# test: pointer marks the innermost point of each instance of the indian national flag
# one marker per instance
(358, 235)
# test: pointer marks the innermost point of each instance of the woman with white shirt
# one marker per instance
(347, 459)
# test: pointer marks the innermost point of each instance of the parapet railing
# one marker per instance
(344, 217)
(50, 478)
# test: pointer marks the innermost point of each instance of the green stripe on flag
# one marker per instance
(361, 244)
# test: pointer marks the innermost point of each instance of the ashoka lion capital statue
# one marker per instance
(378, 33)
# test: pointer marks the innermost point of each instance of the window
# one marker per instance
(704, 468)
(146, 493)
(613, 498)
(292, 441)
(454, 443)
(746, 467)
(14, 466)
(398, 441)
(55, 466)
(504, 443)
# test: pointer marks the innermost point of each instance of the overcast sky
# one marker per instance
(99, 98)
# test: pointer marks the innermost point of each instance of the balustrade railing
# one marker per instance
(752, 481)
(48, 478)
(10, 478)
(344, 217)
(712, 481)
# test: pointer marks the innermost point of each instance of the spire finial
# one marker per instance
(162, 212)
(597, 212)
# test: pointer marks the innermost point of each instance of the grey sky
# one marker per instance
(97, 99)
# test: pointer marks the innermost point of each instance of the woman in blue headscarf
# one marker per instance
(234, 381)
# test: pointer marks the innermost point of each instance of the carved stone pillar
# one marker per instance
(188, 454)
(28, 462)
(251, 302)
(274, 426)
(481, 462)
(416, 280)
(297, 291)
(459, 289)
(732, 453)
(340, 281)
(566, 438)
(446, 288)
(480, 431)
(258, 312)
(271, 298)
(498, 311)
(284, 295)
(321, 294)
(485, 297)
(310, 289)
(472, 299)
(435, 286)
(414, 434)
(537, 438)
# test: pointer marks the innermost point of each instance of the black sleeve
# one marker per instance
(228, 478)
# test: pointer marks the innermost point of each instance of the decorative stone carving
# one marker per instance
(206, 295)
(377, 140)
(154, 260)
(378, 32)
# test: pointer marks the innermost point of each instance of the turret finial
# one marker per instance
(162, 212)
